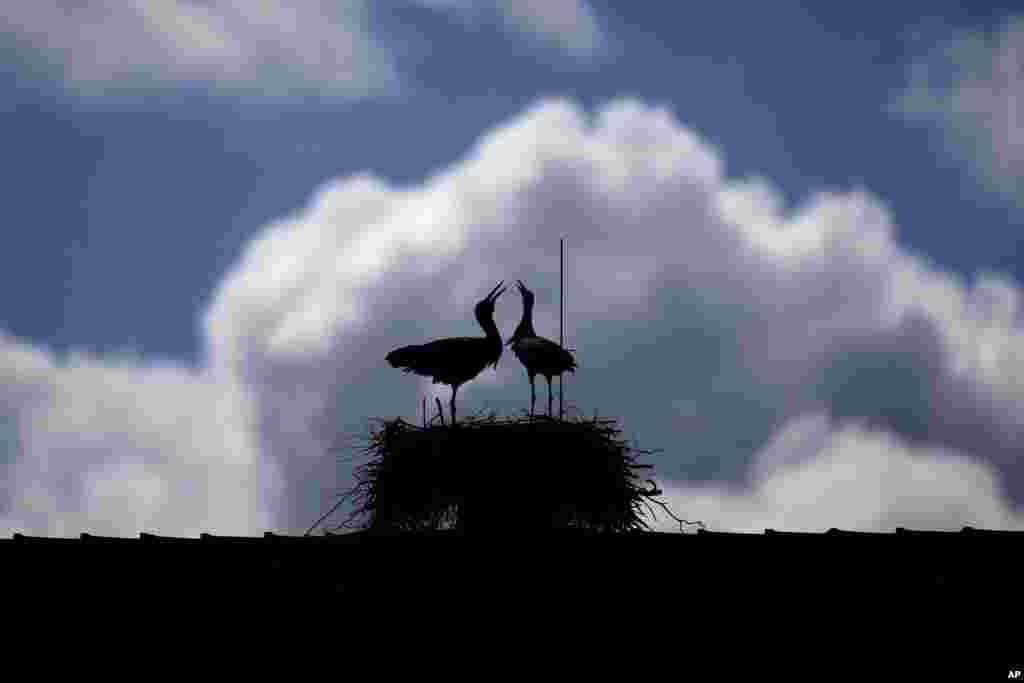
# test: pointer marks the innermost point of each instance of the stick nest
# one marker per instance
(487, 474)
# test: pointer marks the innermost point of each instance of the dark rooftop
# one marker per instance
(975, 567)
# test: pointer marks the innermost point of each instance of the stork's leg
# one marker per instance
(455, 390)
(561, 394)
(550, 398)
(533, 393)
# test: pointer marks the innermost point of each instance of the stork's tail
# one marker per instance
(570, 361)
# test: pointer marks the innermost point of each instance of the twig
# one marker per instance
(341, 499)
(681, 521)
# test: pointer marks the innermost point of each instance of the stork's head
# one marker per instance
(525, 293)
(525, 326)
(485, 309)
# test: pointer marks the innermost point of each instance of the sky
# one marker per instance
(794, 262)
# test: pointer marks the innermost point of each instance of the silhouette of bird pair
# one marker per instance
(457, 360)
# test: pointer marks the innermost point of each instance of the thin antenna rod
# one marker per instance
(561, 322)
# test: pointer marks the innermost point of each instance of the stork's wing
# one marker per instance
(454, 357)
(545, 355)
(425, 359)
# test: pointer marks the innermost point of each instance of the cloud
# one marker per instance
(271, 49)
(973, 88)
(705, 317)
(815, 476)
(274, 49)
(572, 26)
(773, 355)
(115, 447)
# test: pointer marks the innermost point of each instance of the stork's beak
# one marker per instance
(521, 286)
(493, 296)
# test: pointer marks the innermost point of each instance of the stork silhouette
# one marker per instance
(540, 356)
(456, 360)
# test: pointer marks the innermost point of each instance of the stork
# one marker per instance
(456, 360)
(540, 356)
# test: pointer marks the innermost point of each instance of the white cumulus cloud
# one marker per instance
(117, 447)
(815, 476)
(800, 369)
(705, 317)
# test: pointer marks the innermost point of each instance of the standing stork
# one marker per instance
(540, 356)
(456, 360)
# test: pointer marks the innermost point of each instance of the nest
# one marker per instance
(487, 474)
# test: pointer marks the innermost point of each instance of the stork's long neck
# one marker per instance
(525, 326)
(493, 336)
(487, 322)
